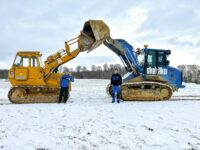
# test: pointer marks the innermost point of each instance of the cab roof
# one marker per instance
(167, 51)
(29, 53)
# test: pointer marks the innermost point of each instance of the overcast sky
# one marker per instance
(44, 25)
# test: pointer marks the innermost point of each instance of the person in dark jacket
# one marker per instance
(64, 86)
(116, 81)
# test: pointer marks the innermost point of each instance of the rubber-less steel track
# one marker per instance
(30, 94)
(144, 91)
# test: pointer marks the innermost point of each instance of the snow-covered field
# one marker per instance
(90, 121)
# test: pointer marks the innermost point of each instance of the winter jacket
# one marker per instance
(116, 79)
(65, 79)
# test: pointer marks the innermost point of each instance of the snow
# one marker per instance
(89, 121)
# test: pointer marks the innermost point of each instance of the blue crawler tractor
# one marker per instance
(149, 75)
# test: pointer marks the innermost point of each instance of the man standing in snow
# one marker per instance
(116, 81)
(64, 86)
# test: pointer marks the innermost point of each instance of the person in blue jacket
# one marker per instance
(116, 81)
(64, 86)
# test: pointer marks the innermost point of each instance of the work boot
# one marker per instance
(113, 101)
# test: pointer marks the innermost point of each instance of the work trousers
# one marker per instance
(64, 91)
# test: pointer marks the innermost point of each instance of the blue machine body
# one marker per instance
(146, 62)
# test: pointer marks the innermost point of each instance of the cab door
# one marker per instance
(21, 68)
(34, 69)
(156, 63)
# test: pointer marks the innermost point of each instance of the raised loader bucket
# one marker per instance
(94, 33)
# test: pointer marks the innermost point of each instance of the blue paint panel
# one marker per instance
(125, 51)
(128, 76)
(174, 77)
(129, 52)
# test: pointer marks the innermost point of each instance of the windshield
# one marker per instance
(21, 61)
(18, 61)
(140, 58)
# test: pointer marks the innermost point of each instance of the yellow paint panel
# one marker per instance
(21, 74)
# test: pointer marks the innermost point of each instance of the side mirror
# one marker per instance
(167, 63)
(168, 52)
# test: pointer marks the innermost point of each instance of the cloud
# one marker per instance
(45, 25)
(126, 24)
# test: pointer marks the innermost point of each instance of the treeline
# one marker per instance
(191, 73)
(95, 72)
(82, 72)
(3, 74)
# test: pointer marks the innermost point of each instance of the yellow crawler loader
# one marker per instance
(34, 83)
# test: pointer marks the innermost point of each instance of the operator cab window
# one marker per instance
(21, 61)
(141, 59)
(151, 59)
(161, 59)
(34, 62)
(25, 62)
(18, 61)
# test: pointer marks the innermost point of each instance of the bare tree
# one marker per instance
(111, 67)
(84, 69)
(105, 67)
(78, 69)
(65, 69)
(93, 68)
(190, 73)
(98, 68)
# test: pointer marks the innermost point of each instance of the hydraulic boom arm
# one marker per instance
(61, 57)
(94, 34)
(126, 53)
(97, 32)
